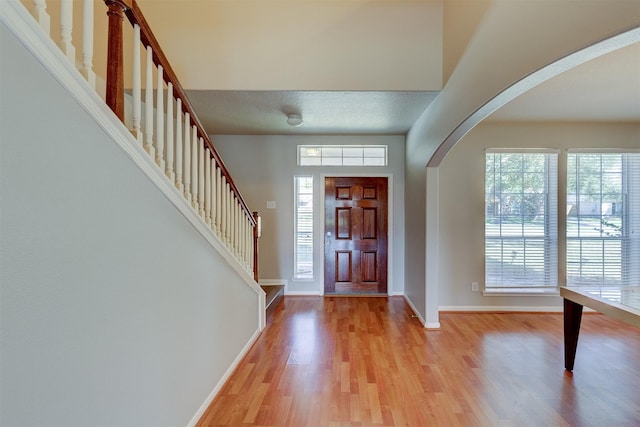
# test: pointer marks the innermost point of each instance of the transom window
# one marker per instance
(342, 155)
(521, 220)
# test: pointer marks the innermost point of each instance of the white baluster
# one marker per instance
(245, 246)
(234, 214)
(169, 170)
(213, 193)
(249, 243)
(241, 237)
(66, 28)
(187, 158)
(234, 229)
(201, 174)
(148, 108)
(223, 210)
(179, 146)
(39, 12)
(160, 118)
(218, 199)
(232, 222)
(238, 212)
(247, 250)
(207, 186)
(137, 92)
(194, 168)
(87, 43)
(240, 233)
(245, 233)
(228, 213)
(244, 241)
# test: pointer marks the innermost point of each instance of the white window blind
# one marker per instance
(521, 221)
(303, 248)
(603, 218)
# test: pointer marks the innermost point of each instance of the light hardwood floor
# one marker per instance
(340, 361)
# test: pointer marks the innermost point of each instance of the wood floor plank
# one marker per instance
(340, 361)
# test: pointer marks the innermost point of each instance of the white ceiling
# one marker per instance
(604, 89)
(323, 112)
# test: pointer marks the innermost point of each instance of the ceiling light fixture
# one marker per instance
(294, 120)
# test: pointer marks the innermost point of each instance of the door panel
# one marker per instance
(343, 266)
(355, 235)
(369, 227)
(369, 263)
(343, 219)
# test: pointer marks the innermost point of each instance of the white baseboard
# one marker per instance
(508, 309)
(415, 310)
(303, 293)
(223, 380)
(496, 308)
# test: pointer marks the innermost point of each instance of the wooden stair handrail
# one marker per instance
(115, 80)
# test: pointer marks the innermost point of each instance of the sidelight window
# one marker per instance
(303, 247)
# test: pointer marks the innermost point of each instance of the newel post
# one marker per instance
(257, 232)
(115, 74)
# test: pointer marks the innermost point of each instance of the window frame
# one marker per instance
(342, 155)
(548, 240)
(629, 227)
(297, 275)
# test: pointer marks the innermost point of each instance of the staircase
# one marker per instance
(173, 192)
(275, 295)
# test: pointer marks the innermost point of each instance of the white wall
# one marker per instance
(487, 47)
(415, 239)
(114, 309)
(461, 196)
(511, 40)
(301, 45)
(264, 168)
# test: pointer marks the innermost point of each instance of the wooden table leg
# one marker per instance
(572, 318)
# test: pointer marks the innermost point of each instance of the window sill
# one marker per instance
(520, 292)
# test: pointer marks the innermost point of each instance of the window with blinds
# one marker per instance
(603, 218)
(521, 223)
(303, 248)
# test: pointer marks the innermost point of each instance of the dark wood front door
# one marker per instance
(355, 247)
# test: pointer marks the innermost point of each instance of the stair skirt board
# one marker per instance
(275, 291)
